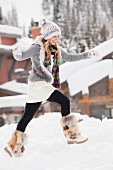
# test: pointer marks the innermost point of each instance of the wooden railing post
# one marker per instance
(111, 87)
(86, 108)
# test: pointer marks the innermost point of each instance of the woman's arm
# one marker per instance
(30, 52)
(74, 57)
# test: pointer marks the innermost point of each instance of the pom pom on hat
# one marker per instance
(49, 29)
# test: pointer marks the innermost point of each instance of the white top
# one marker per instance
(39, 91)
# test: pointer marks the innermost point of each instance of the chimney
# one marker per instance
(35, 30)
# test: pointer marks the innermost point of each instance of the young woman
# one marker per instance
(44, 84)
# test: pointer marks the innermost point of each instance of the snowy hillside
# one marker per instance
(47, 148)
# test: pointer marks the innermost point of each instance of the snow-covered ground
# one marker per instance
(47, 148)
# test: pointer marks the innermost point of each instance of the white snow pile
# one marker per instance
(47, 148)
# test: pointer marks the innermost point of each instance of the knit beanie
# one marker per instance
(49, 29)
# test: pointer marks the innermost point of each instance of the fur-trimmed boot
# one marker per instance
(71, 130)
(16, 143)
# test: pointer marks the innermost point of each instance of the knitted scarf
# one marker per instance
(55, 68)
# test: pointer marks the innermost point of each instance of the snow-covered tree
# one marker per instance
(12, 18)
(46, 7)
(83, 23)
(1, 17)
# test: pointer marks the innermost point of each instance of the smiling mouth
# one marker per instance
(53, 42)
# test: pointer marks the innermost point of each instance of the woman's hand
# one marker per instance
(16, 51)
(93, 53)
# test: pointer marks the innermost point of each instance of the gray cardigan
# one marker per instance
(37, 53)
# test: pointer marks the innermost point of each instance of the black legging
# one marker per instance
(31, 108)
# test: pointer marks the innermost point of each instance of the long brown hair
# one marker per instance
(46, 46)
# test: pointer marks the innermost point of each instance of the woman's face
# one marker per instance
(53, 40)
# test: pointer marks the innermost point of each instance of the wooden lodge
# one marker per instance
(10, 69)
(98, 102)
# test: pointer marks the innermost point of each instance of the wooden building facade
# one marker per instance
(10, 69)
(98, 102)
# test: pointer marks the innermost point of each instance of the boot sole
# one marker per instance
(76, 142)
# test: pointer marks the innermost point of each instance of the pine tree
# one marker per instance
(67, 28)
(24, 31)
(82, 22)
(1, 17)
(103, 33)
(46, 7)
(12, 17)
(59, 13)
(32, 23)
(74, 18)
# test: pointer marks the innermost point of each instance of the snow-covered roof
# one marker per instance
(22, 43)
(69, 68)
(82, 79)
(6, 47)
(10, 30)
(12, 101)
(19, 70)
(15, 87)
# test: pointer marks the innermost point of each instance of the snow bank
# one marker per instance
(47, 148)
